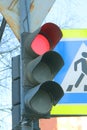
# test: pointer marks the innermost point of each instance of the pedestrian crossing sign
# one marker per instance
(73, 76)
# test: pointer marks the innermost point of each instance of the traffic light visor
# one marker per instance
(44, 67)
(41, 98)
(42, 40)
(52, 32)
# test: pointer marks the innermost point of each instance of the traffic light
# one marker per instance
(40, 64)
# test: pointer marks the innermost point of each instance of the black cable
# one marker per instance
(3, 24)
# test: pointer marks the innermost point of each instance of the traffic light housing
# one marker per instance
(39, 66)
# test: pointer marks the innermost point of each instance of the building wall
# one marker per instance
(64, 123)
(48, 124)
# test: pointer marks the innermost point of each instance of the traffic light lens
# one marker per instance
(41, 102)
(40, 44)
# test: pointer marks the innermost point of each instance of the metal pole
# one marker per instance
(24, 4)
(36, 124)
(27, 126)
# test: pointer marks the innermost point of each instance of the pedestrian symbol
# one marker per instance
(83, 62)
(76, 77)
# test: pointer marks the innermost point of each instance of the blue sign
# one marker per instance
(68, 50)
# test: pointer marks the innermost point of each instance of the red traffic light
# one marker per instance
(40, 45)
(46, 39)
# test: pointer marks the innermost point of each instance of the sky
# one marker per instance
(65, 13)
(69, 13)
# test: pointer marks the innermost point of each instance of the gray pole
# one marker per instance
(36, 124)
(24, 27)
(25, 123)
